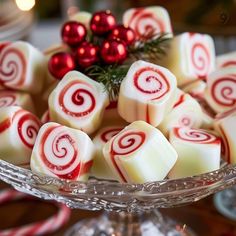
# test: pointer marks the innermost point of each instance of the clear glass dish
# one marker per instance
(132, 207)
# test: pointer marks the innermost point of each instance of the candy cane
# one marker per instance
(47, 226)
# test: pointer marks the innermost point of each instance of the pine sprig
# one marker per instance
(111, 76)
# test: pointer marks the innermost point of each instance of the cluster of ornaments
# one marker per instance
(111, 44)
(172, 119)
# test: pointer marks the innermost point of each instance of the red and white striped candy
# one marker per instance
(18, 131)
(45, 117)
(186, 112)
(190, 56)
(147, 93)
(198, 151)
(62, 152)
(226, 60)
(47, 226)
(78, 102)
(225, 125)
(221, 89)
(100, 168)
(21, 67)
(12, 98)
(148, 21)
(139, 153)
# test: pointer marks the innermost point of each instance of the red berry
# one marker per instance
(60, 63)
(73, 33)
(102, 22)
(86, 54)
(113, 51)
(126, 34)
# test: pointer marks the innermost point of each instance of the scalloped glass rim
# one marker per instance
(104, 194)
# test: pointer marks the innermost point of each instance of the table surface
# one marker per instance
(201, 216)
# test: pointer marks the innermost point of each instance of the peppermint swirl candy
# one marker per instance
(59, 152)
(77, 99)
(108, 134)
(7, 99)
(228, 63)
(223, 91)
(12, 68)
(195, 135)
(27, 127)
(200, 58)
(127, 142)
(151, 82)
(146, 24)
(185, 121)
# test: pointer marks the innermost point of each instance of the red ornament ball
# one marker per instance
(86, 54)
(126, 34)
(60, 63)
(73, 33)
(113, 51)
(102, 22)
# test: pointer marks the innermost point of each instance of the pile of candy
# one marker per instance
(153, 130)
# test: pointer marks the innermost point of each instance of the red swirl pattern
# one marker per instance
(195, 136)
(108, 134)
(200, 58)
(229, 63)
(77, 99)
(223, 91)
(7, 100)
(151, 82)
(124, 144)
(27, 127)
(12, 68)
(146, 24)
(59, 152)
(185, 121)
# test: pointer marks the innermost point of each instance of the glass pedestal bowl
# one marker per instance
(130, 209)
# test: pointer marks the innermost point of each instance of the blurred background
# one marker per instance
(39, 21)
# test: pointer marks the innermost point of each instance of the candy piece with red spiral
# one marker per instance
(12, 98)
(100, 168)
(62, 152)
(198, 151)
(78, 102)
(221, 89)
(185, 112)
(18, 131)
(22, 67)
(226, 60)
(149, 21)
(225, 125)
(139, 153)
(147, 93)
(190, 56)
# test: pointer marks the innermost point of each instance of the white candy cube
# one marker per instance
(139, 153)
(100, 168)
(18, 131)
(12, 98)
(148, 21)
(22, 67)
(198, 152)
(190, 56)
(78, 102)
(225, 125)
(62, 152)
(147, 93)
(221, 89)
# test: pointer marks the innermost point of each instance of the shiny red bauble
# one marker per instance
(126, 34)
(113, 51)
(73, 33)
(60, 63)
(86, 54)
(102, 22)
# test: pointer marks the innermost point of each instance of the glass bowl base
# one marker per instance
(127, 224)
